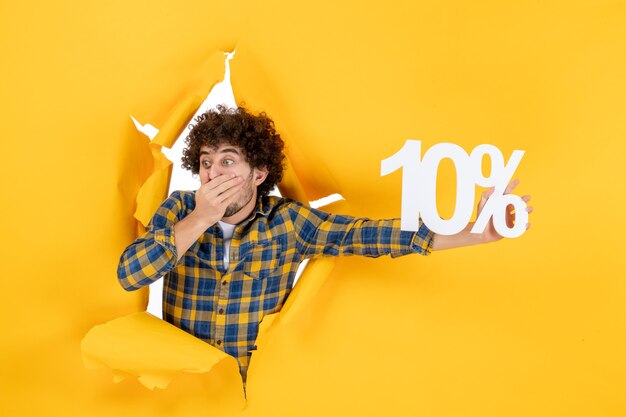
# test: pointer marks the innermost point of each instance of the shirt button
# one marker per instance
(221, 311)
(219, 342)
(224, 282)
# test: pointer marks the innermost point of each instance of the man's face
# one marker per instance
(225, 160)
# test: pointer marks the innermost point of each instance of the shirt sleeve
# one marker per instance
(322, 234)
(153, 253)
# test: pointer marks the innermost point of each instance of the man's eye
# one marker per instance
(205, 164)
(228, 162)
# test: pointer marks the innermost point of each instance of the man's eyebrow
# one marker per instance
(225, 150)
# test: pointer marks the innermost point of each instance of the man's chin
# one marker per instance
(237, 207)
(231, 211)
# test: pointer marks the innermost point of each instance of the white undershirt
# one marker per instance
(228, 230)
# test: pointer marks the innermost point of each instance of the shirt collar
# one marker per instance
(262, 206)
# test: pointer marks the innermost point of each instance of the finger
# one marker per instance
(511, 186)
(526, 198)
(529, 209)
(527, 226)
(483, 199)
(229, 194)
(211, 184)
(482, 202)
(219, 180)
(226, 185)
(486, 194)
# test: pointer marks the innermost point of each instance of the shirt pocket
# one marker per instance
(264, 258)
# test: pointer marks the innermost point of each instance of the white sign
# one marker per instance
(419, 194)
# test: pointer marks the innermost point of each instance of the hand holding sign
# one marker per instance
(419, 180)
(490, 233)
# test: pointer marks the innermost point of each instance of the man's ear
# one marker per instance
(259, 175)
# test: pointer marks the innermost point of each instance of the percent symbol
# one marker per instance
(497, 204)
(419, 181)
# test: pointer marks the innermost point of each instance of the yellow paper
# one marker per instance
(524, 327)
(149, 348)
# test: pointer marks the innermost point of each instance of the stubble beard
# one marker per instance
(235, 206)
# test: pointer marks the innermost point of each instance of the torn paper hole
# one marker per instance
(221, 93)
(126, 365)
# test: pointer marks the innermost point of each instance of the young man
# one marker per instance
(228, 252)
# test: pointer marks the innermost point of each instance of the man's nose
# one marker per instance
(214, 171)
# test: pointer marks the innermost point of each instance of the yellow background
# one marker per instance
(528, 327)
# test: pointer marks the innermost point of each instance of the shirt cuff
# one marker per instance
(422, 241)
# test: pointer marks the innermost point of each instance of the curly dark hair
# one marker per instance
(262, 146)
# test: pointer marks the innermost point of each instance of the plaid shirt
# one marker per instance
(225, 306)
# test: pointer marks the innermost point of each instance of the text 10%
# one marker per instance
(419, 181)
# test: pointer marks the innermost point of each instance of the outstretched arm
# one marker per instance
(323, 234)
